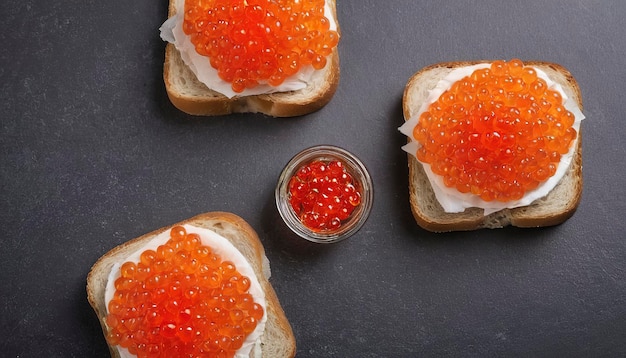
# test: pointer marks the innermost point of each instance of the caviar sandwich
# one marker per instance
(277, 57)
(197, 288)
(493, 144)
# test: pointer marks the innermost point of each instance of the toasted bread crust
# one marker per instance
(280, 104)
(277, 332)
(429, 214)
(205, 102)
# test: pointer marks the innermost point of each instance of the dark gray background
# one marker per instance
(93, 154)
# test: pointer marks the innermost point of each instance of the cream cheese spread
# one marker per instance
(454, 201)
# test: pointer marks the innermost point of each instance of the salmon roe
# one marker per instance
(254, 41)
(181, 300)
(323, 195)
(497, 133)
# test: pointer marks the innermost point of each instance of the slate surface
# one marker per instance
(93, 154)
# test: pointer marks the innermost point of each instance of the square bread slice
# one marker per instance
(193, 97)
(277, 340)
(553, 209)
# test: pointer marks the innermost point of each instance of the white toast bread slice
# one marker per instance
(277, 339)
(191, 96)
(553, 209)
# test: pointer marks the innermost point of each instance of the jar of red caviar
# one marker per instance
(324, 194)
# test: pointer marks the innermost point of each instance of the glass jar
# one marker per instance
(360, 178)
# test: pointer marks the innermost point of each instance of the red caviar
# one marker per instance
(497, 133)
(323, 194)
(253, 41)
(181, 300)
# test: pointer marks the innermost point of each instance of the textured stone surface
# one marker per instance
(93, 154)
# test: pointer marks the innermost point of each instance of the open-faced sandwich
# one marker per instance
(275, 57)
(493, 144)
(198, 288)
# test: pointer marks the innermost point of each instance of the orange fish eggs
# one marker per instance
(252, 41)
(323, 195)
(497, 133)
(181, 300)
